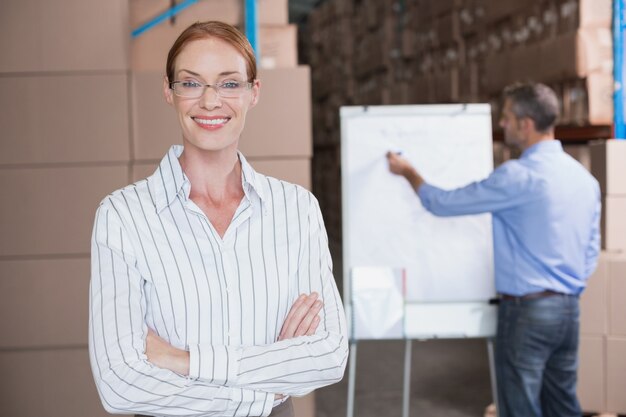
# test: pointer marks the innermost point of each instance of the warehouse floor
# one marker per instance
(450, 378)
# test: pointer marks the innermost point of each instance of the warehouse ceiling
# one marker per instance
(299, 9)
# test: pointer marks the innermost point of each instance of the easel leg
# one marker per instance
(351, 379)
(406, 391)
(492, 374)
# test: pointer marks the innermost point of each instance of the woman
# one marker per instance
(199, 272)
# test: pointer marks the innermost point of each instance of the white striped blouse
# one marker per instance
(158, 262)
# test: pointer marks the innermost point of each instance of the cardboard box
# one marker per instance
(576, 55)
(525, 63)
(593, 301)
(155, 126)
(51, 383)
(600, 89)
(52, 209)
(616, 375)
(574, 14)
(617, 296)
(469, 83)
(497, 68)
(496, 10)
(446, 85)
(277, 47)
(91, 125)
(591, 373)
(442, 7)
(608, 165)
(279, 126)
(63, 35)
(51, 298)
(596, 101)
(372, 13)
(471, 16)
(296, 171)
(575, 103)
(447, 29)
(422, 91)
(613, 223)
(269, 12)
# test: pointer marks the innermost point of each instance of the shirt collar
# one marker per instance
(250, 179)
(544, 146)
(169, 179)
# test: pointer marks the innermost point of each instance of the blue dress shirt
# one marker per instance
(546, 213)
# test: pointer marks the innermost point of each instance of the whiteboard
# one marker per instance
(446, 259)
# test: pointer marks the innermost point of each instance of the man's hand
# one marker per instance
(303, 317)
(400, 166)
(166, 356)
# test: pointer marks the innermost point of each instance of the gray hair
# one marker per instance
(536, 101)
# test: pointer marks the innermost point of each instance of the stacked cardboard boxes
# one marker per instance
(277, 39)
(330, 50)
(602, 368)
(83, 115)
(608, 164)
(369, 52)
(65, 124)
(449, 51)
(602, 371)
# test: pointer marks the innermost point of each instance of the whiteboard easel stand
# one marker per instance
(492, 374)
(367, 133)
(406, 385)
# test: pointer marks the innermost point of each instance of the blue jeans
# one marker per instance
(537, 357)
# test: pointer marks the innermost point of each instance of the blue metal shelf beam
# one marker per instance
(619, 95)
(163, 16)
(251, 21)
(252, 26)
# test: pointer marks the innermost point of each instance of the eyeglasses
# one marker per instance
(194, 89)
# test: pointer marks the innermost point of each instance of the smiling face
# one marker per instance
(211, 123)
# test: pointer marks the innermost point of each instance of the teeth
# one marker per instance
(211, 121)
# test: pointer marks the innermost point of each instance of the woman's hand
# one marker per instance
(302, 320)
(303, 317)
(166, 356)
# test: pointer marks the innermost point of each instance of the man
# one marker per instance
(545, 208)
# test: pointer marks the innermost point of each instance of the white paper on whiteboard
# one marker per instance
(377, 303)
(385, 225)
